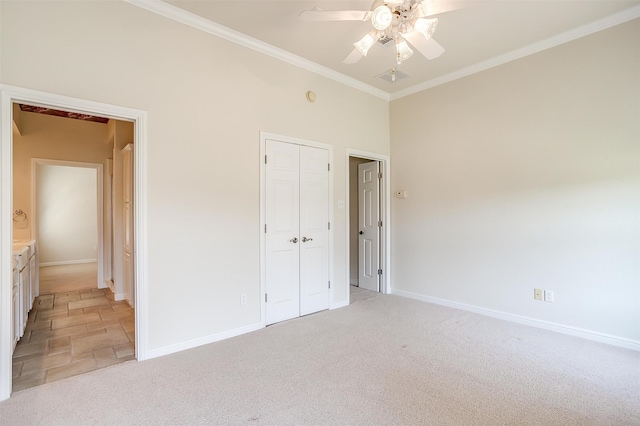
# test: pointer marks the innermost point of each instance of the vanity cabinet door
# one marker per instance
(15, 320)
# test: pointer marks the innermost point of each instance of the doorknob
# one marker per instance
(294, 240)
(305, 239)
(361, 232)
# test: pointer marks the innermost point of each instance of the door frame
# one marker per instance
(99, 168)
(263, 213)
(10, 95)
(385, 215)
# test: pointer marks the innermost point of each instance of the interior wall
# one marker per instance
(354, 209)
(527, 176)
(206, 100)
(53, 138)
(67, 212)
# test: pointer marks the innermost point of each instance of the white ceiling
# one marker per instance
(481, 34)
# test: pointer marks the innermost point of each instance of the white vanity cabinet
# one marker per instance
(33, 273)
(25, 284)
(15, 318)
(21, 255)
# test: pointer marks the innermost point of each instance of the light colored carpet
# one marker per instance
(384, 360)
(358, 294)
(68, 278)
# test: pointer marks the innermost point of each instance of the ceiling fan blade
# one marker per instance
(353, 57)
(335, 15)
(435, 7)
(430, 48)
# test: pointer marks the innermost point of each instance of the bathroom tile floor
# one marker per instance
(73, 333)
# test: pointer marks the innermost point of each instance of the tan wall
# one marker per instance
(527, 176)
(206, 101)
(67, 214)
(52, 138)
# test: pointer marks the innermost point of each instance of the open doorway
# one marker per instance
(78, 321)
(73, 351)
(67, 204)
(368, 233)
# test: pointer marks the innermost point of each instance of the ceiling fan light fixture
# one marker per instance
(426, 26)
(365, 43)
(404, 51)
(381, 17)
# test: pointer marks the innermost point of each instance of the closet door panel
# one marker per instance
(314, 232)
(282, 236)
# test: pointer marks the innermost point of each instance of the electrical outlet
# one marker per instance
(538, 294)
(243, 299)
(548, 296)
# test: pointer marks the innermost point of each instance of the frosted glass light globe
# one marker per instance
(381, 18)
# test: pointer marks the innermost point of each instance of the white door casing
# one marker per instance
(10, 95)
(368, 223)
(296, 227)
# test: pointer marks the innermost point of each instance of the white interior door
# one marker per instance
(127, 219)
(369, 224)
(282, 232)
(314, 232)
(297, 236)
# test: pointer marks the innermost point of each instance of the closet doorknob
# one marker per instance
(305, 239)
(294, 240)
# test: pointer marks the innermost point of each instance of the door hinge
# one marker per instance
(265, 228)
(265, 297)
(329, 226)
(379, 175)
(265, 159)
(380, 223)
(329, 284)
(329, 167)
(379, 271)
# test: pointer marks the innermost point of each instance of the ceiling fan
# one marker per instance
(400, 21)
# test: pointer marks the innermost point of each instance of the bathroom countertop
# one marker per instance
(19, 246)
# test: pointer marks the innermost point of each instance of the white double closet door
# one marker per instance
(297, 230)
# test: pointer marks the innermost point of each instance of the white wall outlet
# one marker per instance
(340, 204)
(243, 298)
(538, 293)
(548, 296)
(401, 194)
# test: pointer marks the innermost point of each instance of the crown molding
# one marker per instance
(175, 13)
(576, 33)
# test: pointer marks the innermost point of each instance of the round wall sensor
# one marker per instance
(311, 96)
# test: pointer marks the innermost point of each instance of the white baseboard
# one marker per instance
(200, 341)
(118, 296)
(559, 328)
(68, 262)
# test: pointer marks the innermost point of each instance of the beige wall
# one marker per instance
(52, 138)
(527, 176)
(207, 100)
(67, 214)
